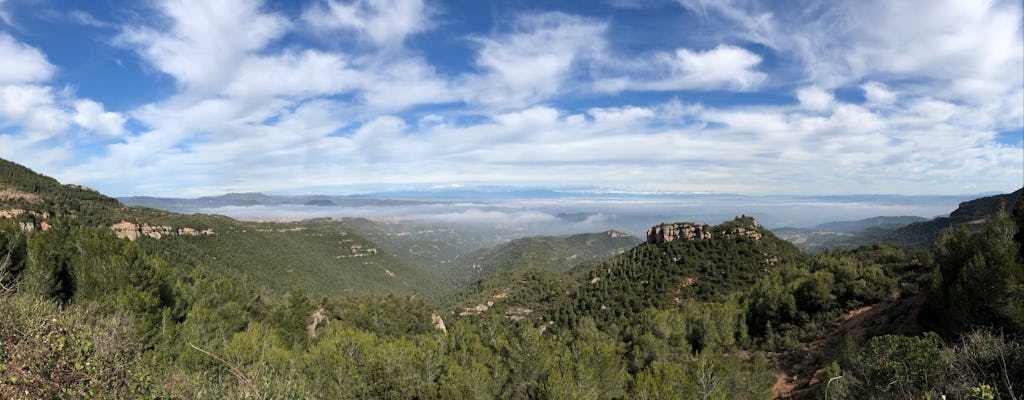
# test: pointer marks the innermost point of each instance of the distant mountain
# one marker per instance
(876, 222)
(971, 214)
(257, 199)
(905, 231)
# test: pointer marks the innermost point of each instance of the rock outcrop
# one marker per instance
(616, 234)
(320, 318)
(438, 323)
(742, 227)
(470, 311)
(132, 231)
(741, 232)
(20, 215)
(13, 194)
(665, 233)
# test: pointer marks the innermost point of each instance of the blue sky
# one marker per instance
(189, 98)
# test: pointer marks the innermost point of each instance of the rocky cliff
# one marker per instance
(665, 233)
(132, 231)
(741, 227)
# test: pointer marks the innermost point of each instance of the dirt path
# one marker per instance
(897, 314)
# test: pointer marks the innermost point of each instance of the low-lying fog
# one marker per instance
(634, 216)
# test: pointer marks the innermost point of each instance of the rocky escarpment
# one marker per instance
(665, 233)
(741, 232)
(25, 218)
(742, 227)
(132, 231)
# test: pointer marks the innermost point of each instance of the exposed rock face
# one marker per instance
(468, 311)
(742, 227)
(741, 232)
(19, 214)
(319, 319)
(615, 234)
(665, 233)
(132, 231)
(438, 323)
(518, 313)
(12, 194)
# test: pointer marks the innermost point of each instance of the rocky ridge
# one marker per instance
(684, 231)
(132, 231)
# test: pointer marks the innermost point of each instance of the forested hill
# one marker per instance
(22, 187)
(649, 275)
(902, 231)
(971, 214)
(839, 313)
(324, 257)
(556, 254)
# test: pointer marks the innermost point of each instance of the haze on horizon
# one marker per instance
(183, 98)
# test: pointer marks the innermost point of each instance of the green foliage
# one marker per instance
(86, 315)
(900, 366)
(324, 257)
(48, 352)
(982, 392)
(835, 384)
(13, 254)
(557, 254)
(978, 279)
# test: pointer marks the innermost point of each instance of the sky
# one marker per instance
(186, 98)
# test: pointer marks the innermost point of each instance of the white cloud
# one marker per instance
(309, 73)
(401, 83)
(22, 63)
(84, 18)
(382, 22)
(620, 115)
(206, 41)
(90, 115)
(876, 93)
(723, 67)
(814, 98)
(534, 60)
(34, 109)
(287, 116)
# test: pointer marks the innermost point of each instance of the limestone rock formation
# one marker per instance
(665, 233)
(319, 319)
(741, 232)
(132, 231)
(742, 227)
(438, 323)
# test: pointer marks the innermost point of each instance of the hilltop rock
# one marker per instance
(665, 233)
(741, 232)
(742, 227)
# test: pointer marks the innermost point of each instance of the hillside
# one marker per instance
(843, 234)
(324, 257)
(658, 273)
(556, 254)
(160, 305)
(863, 224)
(971, 214)
(904, 231)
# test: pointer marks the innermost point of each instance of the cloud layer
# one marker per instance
(879, 97)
